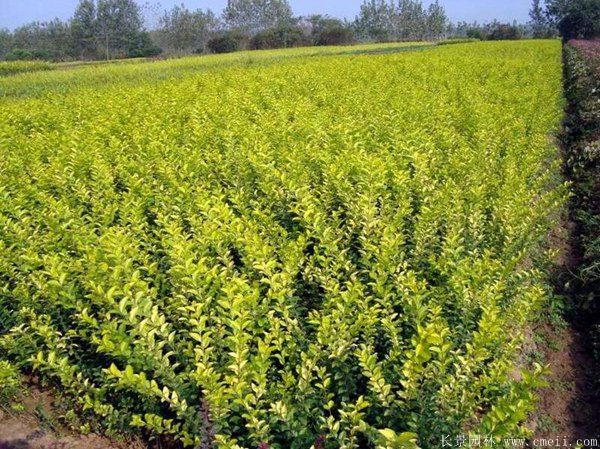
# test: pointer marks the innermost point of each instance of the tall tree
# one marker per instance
(408, 19)
(326, 30)
(253, 16)
(416, 20)
(437, 20)
(575, 18)
(374, 20)
(119, 26)
(538, 20)
(84, 30)
(5, 42)
(182, 30)
(43, 40)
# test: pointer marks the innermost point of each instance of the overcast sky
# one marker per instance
(16, 12)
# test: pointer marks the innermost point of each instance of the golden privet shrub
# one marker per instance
(326, 251)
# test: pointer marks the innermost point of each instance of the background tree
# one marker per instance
(319, 29)
(281, 37)
(84, 30)
(407, 20)
(253, 16)
(152, 12)
(182, 30)
(374, 20)
(437, 20)
(575, 19)
(5, 42)
(41, 40)
(332, 31)
(142, 46)
(410, 20)
(226, 42)
(498, 31)
(116, 28)
(119, 26)
(465, 30)
(539, 25)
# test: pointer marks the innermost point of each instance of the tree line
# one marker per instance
(102, 29)
(107, 29)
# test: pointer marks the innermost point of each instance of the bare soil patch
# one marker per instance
(39, 427)
(570, 405)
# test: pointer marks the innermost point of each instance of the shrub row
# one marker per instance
(457, 41)
(582, 78)
(14, 67)
(281, 37)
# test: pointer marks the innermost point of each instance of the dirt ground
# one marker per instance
(38, 427)
(570, 405)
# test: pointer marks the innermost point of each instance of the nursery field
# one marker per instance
(132, 71)
(327, 250)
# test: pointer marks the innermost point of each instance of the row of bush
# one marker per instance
(582, 141)
(291, 36)
(280, 37)
(227, 42)
(21, 54)
(457, 41)
(496, 32)
(141, 46)
(14, 67)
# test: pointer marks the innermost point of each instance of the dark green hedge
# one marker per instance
(582, 164)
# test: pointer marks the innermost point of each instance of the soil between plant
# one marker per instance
(38, 427)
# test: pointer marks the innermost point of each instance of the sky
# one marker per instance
(17, 12)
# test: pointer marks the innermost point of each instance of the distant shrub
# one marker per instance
(30, 55)
(143, 47)
(475, 33)
(14, 67)
(582, 143)
(226, 43)
(19, 55)
(494, 31)
(457, 41)
(503, 32)
(338, 35)
(282, 37)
